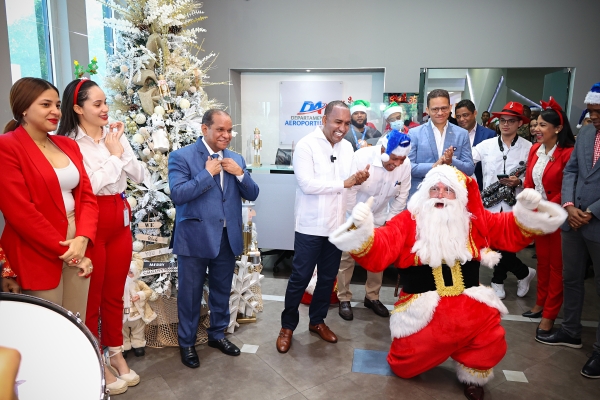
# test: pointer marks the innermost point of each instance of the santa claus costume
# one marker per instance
(438, 244)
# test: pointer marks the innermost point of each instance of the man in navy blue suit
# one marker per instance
(438, 141)
(207, 183)
(466, 115)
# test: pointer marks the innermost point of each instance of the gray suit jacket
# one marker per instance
(423, 151)
(581, 182)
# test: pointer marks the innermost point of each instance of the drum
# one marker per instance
(60, 358)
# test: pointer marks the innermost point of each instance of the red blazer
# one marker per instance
(553, 173)
(32, 203)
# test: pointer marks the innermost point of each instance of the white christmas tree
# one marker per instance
(155, 81)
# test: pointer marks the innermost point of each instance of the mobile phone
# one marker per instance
(501, 176)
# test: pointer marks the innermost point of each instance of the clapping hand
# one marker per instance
(362, 176)
(446, 157)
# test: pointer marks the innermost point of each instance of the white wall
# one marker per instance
(403, 37)
(260, 103)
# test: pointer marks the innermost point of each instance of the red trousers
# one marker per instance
(461, 328)
(549, 274)
(111, 256)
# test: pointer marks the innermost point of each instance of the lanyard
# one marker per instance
(356, 139)
(501, 146)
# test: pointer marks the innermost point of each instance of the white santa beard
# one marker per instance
(442, 233)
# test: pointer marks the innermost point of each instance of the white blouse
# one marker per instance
(108, 174)
(68, 178)
(539, 167)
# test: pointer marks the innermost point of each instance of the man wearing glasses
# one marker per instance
(503, 161)
(438, 141)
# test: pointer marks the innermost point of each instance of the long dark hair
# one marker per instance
(69, 121)
(22, 95)
(565, 135)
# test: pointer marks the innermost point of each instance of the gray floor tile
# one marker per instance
(149, 389)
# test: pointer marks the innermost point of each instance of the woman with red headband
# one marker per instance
(47, 202)
(545, 165)
(109, 161)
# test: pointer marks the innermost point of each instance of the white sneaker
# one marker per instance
(117, 387)
(523, 284)
(499, 289)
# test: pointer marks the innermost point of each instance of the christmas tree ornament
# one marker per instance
(159, 110)
(139, 139)
(184, 104)
(132, 202)
(140, 119)
(138, 246)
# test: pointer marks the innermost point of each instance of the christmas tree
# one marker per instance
(155, 81)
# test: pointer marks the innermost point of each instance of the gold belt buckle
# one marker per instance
(126, 309)
(458, 285)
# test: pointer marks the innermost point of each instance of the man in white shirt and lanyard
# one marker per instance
(322, 162)
(389, 184)
(503, 163)
(359, 130)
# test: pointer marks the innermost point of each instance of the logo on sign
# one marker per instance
(309, 107)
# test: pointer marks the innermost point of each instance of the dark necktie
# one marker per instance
(217, 177)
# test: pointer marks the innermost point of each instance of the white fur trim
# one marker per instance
(548, 218)
(401, 151)
(385, 157)
(486, 295)
(463, 375)
(348, 240)
(418, 314)
(392, 110)
(310, 289)
(358, 107)
(489, 257)
(142, 295)
(592, 98)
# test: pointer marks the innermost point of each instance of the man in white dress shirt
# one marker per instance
(389, 184)
(322, 162)
(499, 157)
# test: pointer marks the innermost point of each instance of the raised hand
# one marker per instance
(361, 211)
(213, 166)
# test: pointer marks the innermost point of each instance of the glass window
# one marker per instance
(100, 38)
(29, 39)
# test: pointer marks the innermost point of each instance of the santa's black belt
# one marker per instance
(447, 281)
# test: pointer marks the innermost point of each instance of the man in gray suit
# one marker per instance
(581, 233)
(438, 141)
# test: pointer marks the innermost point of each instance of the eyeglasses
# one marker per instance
(503, 121)
(437, 110)
(435, 191)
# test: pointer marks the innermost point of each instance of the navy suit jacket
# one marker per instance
(202, 206)
(481, 134)
(423, 151)
(581, 181)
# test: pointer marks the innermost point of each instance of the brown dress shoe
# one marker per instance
(284, 341)
(473, 392)
(377, 307)
(346, 311)
(323, 331)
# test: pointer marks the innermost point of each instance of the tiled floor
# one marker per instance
(314, 369)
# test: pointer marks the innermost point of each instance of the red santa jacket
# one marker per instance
(32, 204)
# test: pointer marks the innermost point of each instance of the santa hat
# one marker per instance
(467, 193)
(391, 109)
(360, 105)
(396, 143)
(585, 114)
(593, 96)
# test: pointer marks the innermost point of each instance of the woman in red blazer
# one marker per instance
(47, 200)
(545, 165)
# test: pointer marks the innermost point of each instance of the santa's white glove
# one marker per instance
(529, 199)
(361, 211)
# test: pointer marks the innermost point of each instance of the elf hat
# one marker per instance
(593, 96)
(360, 105)
(396, 143)
(513, 109)
(585, 114)
(391, 109)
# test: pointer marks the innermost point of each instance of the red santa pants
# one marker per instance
(549, 274)
(461, 328)
(111, 256)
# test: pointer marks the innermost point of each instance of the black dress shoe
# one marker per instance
(139, 352)
(225, 346)
(125, 353)
(539, 331)
(189, 357)
(591, 369)
(531, 314)
(346, 311)
(559, 338)
(377, 307)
